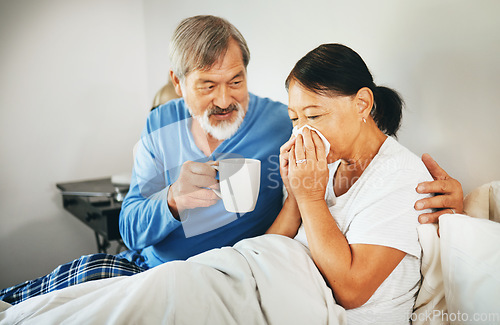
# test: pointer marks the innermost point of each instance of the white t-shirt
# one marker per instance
(379, 210)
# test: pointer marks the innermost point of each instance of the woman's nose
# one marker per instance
(300, 123)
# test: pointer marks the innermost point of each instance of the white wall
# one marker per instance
(73, 101)
(442, 56)
(77, 77)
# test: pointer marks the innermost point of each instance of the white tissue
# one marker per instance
(296, 132)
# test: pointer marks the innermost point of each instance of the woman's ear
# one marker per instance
(177, 83)
(364, 102)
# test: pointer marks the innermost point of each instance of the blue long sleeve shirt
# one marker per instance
(146, 223)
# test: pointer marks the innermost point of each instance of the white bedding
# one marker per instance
(265, 280)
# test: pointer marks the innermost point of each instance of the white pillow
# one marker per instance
(495, 201)
(470, 257)
(476, 203)
(484, 202)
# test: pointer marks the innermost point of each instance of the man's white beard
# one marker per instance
(224, 129)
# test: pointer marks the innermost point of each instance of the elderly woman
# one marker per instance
(353, 205)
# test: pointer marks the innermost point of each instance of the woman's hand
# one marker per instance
(285, 151)
(288, 221)
(307, 168)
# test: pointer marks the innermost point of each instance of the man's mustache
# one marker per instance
(218, 110)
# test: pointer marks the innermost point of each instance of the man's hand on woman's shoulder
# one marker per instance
(449, 196)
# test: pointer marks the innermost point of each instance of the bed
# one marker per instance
(460, 282)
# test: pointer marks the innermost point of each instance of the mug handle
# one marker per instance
(217, 192)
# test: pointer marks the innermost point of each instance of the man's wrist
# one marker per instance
(172, 205)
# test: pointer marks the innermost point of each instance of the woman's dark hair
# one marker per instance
(337, 70)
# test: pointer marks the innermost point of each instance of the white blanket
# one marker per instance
(265, 280)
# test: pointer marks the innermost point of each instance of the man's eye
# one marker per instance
(207, 88)
(313, 117)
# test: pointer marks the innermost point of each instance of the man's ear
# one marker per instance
(177, 83)
(364, 102)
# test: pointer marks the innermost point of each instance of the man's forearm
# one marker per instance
(146, 221)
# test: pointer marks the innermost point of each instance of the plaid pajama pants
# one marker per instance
(86, 268)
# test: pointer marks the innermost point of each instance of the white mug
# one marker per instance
(239, 182)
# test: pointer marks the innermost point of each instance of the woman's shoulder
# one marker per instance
(394, 158)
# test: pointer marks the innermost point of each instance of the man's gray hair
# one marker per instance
(199, 41)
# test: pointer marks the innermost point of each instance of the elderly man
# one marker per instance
(171, 212)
